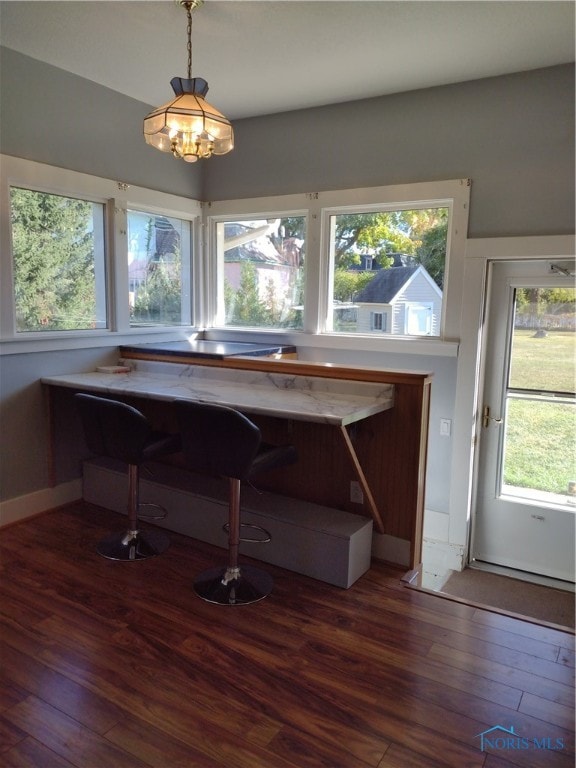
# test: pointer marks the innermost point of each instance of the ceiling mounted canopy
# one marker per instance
(188, 126)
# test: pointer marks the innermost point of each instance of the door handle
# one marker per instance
(486, 418)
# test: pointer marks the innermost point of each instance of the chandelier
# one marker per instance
(188, 126)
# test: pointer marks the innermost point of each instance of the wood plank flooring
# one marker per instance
(120, 665)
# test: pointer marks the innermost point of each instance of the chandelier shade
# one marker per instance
(188, 126)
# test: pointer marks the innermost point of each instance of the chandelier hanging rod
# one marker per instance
(189, 6)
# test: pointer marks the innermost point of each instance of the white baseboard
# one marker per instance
(14, 510)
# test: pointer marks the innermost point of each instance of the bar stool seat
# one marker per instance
(122, 432)
(221, 441)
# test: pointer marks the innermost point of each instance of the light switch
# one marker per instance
(445, 427)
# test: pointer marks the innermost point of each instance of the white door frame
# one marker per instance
(469, 388)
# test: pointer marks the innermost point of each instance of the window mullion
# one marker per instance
(7, 313)
(119, 306)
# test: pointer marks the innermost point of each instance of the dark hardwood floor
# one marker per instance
(115, 665)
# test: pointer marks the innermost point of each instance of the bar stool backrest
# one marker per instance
(217, 440)
(114, 429)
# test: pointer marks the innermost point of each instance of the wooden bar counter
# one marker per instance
(348, 423)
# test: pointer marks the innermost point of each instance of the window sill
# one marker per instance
(402, 345)
(430, 347)
(52, 342)
(392, 344)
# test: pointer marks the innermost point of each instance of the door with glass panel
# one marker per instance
(526, 495)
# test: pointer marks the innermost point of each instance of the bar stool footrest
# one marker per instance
(267, 535)
(151, 516)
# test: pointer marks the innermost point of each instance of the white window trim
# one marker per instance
(117, 198)
(316, 206)
(319, 206)
(187, 257)
(214, 264)
(383, 316)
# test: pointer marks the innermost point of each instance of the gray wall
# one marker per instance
(53, 117)
(514, 136)
(24, 420)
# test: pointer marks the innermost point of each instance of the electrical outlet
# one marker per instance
(356, 495)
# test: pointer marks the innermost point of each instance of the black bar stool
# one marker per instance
(222, 441)
(121, 432)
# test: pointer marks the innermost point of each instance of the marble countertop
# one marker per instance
(304, 398)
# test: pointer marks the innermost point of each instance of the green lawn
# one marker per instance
(546, 363)
(541, 436)
(540, 445)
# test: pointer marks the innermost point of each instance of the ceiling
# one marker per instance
(265, 56)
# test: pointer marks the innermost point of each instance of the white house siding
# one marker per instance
(279, 274)
(418, 288)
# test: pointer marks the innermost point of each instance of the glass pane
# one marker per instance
(543, 353)
(159, 258)
(58, 258)
(261, 272)
(540, 448)
(390, 262)
(540, 428)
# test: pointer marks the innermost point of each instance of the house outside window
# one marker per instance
(406, 267)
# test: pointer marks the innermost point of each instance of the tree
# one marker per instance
(244, 306)
(159, 298)
(356, 232)
(541, 301)
(53, 252)
(419, 233)
(431, 252)
(348, 284)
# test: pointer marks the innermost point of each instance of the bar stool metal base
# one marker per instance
(133, 545)
(233, 586)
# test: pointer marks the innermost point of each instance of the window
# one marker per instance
(378, 321)
(86, 257)
(159, 260)
(92, 257)
(356, 254)
(419, 319)
(391, 257)
(261, 272)
(58, 262)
